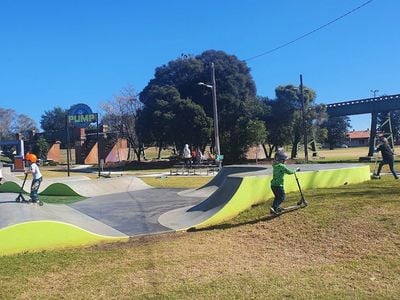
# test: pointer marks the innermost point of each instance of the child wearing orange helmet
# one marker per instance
(37, 176)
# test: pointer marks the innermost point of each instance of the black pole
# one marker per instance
(98, 143)
(372, 135)
(68, 150)
(303, 113)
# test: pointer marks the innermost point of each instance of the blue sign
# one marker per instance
(80, 115)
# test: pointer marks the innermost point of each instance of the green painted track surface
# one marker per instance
(41, 235)
(9, 187)
(234, 193)
(55, 189)
(59, 189)
(238, 192)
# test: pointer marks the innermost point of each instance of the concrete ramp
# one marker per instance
(106, 186)
(13, 213)
(218, 180)
(238, 192)
(187, 217)
(79, 185)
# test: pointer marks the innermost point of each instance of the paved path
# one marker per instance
(135, 212)
(127, 213)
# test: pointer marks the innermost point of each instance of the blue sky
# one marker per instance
(59, 53)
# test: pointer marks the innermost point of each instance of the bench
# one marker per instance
(196, 169)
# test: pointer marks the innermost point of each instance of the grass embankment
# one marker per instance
(345, 245)
(60, 199)
(176, 182)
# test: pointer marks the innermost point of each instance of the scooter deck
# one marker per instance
(291, 208)
(21, 199)
(301, 204)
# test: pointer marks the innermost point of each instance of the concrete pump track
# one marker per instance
(118, 208)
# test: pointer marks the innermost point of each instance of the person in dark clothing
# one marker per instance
(387, 157)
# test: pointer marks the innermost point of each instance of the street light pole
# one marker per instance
(374, 92)
(216, 129)
(213, 88)
(303, 113)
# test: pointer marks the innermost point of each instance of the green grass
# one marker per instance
(176, 182)
(344, 245)
(60, 199)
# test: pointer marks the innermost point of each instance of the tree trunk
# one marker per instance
(271, 149)
(293, 154)
(129, 152)
(295, 143)
(265, 151)
(137, 153)
(159, 149)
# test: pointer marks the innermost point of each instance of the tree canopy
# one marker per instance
(121, 115)
(53, 124)
(173, 98)
(286, 120)
(337, 128)
(12, 123)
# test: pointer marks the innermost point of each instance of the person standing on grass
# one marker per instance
(277, 183)
(187, 156)
(37, 176)
(387, 157)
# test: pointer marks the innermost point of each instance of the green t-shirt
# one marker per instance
(279, 171)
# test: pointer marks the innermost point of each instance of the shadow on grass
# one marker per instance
(233, 225)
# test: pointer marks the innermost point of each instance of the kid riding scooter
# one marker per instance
(301, 203)
(21, 197)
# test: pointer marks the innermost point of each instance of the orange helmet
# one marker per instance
(31, 157)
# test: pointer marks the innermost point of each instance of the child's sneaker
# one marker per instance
(275, 211)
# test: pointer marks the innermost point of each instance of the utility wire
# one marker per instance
(310, 32)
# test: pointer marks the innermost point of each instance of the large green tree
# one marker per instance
(53, 124)
(170, 120)
(337, 128)
(278, 130)
(287, 111)
(178, 81)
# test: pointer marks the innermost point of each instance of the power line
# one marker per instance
(310, 32)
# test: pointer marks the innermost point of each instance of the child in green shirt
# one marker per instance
(277, 182)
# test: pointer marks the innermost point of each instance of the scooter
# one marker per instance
(374, 176)
(302, 203)
(21, 197)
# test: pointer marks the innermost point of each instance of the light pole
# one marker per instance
(374, 92)
(214, 95)
(303, 113)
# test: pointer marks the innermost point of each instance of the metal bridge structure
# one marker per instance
(373, 106)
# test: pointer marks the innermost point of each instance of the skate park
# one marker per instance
(115, 209)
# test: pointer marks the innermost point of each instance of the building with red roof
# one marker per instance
(358, 138)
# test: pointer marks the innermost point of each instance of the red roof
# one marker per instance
(364, 134)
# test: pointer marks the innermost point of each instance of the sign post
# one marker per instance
(68, 146)
(81, 116)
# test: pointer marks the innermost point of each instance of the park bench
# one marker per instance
(196, 169)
